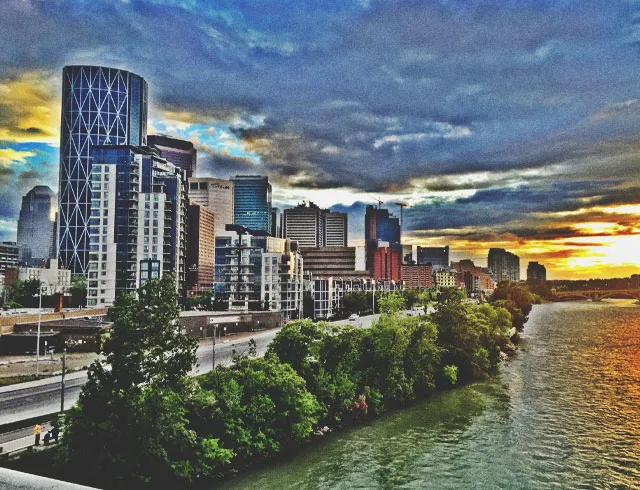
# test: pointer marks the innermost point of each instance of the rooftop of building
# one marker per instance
(169, 142)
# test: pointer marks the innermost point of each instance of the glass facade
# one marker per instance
(252, 202)
(100, 106)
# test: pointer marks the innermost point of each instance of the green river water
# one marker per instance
(564, 413)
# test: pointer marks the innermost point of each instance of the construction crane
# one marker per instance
(402, 206)
(379, 203)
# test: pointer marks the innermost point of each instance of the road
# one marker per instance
(42, 397)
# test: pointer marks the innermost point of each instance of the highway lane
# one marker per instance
(42, 397)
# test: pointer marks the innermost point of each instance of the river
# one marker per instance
(563, 413)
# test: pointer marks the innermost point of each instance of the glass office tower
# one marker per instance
(35, 226)
(252, 202)
(100, 106)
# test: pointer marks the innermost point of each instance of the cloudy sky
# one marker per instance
(509, 123)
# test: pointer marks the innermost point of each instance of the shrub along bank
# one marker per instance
(145, 421)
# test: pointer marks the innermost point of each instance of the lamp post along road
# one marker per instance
(38, 336)
(215, 327)
(64, 365)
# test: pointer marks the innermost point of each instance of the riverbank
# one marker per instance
(313, 376)
(563, 413)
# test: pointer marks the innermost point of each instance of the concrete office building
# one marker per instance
(36, 233)
(217, 196)
(138, 222)
(436, 256)
(448, 278)
(329, 261)
(505, 266)
(53, 279)
(416, 276)
(312, 226)
(100, 106)
(252, 202)
(200, 249)
(536, 272)
(386, 264)
(335, 229)
(180, 153)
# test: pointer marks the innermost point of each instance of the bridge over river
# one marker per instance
(596, 294)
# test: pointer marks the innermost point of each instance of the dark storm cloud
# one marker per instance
(498, 207)
(374, 95)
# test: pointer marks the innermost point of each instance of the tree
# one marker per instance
(392, 303)
(130, 424)
(260, 406)
(471, 335)
(25, 293)
(517, 299)
(78, 290)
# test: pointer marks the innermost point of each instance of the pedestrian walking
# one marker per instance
(36, 431)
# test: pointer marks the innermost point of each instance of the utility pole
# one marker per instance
(64, 366)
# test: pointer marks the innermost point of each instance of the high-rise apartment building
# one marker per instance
(36, 226)
(252, 202)
(257, 271)
(138, 222)
(536, 272)
(217, 196)
(312, 226)
(201, 249)
(505, 266)
(178, 152)
(100, 106)
(436, 256)
(8, 256)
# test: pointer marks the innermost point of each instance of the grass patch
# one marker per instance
(23, 378)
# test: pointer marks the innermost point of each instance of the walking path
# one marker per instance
(19, 442)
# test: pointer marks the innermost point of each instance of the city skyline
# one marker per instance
(521, 133)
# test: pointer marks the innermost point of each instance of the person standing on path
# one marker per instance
(36, 431)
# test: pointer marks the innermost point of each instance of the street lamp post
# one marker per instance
(373, 301)
(64, 366)
(215, 327)
(38, 336)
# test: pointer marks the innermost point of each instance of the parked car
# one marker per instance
(354, 317)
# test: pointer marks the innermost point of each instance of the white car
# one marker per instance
(354, 317)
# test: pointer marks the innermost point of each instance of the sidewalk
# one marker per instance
(22, 443)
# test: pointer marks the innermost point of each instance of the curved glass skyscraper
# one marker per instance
(100, 106)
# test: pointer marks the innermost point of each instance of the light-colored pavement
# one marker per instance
(17, 480)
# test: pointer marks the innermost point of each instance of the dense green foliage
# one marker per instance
(517, 299)
(144, 421)
(130, 424)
